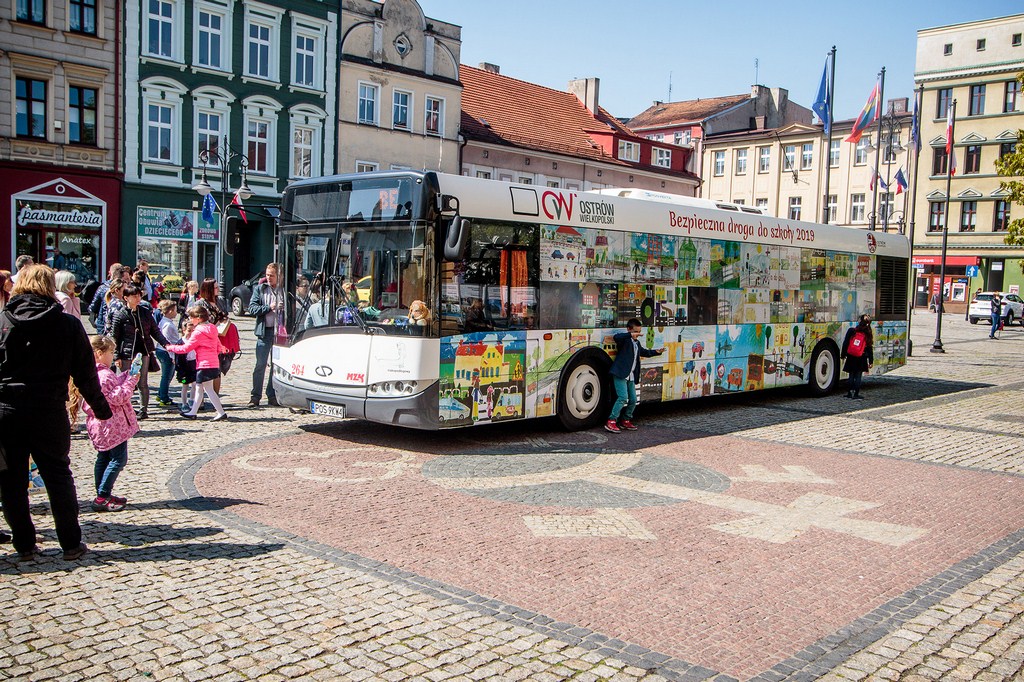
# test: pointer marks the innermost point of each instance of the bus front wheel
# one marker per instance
(582, 398)
(824, 369)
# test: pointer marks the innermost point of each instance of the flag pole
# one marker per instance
(937, 344)
(918, 106)
(828, 124)
(878, 150)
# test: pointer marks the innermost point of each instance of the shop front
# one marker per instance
(178, 244)
(960, 275)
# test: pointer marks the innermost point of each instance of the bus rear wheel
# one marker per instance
(824, 370)
(582, 395)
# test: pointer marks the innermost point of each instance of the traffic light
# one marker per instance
(231, 234)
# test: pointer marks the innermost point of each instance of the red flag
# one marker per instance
(868, 115)
(949, 130)
(237, 201)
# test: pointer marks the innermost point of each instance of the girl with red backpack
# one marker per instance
(858, 350)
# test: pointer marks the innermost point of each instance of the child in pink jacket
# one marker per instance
(109, 436)
(205, 341)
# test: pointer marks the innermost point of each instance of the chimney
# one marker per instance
(490, 68)
(759, 122)
(899, 105)
(586, 91)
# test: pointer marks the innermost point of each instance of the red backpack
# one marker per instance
(858, 343)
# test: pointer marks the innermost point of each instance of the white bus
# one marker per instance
(525, 287)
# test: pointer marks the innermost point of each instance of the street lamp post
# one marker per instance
(890, 128)
(222, 157)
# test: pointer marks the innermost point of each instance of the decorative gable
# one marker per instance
(970, 193)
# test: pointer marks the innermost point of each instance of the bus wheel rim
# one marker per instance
(583, 392)
(824, 369)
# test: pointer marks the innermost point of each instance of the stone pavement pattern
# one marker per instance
(184, 586)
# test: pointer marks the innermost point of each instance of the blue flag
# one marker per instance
(820, 106)
(915, 129)
(209, 207)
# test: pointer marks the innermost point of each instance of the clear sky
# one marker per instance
(708, 48)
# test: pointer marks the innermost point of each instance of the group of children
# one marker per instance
(193, 356)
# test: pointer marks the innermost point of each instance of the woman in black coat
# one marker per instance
(856, 365)
(134, 331)
(41, 348)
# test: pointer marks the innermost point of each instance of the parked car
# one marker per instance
(240, 295)
(981, 308)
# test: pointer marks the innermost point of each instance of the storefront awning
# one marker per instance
(950, 260)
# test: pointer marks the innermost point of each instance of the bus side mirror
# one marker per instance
(457, 239)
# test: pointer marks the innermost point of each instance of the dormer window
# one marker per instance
(402, 45)
(629, 151)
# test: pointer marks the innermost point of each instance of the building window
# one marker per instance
(483, 175)
(257, 145)
(936, 216)
(159, 132)
(366, 167)
(1015, 40)
(806, 156)
(972, 159)
(1007, 148)
(629, 151)
(400, 109)
(833, 208)
(30, 108)
(943, 99)
(833, 154)
(523, 180)
(258, 50)
(210, 46)
(976, 106)
(303, 152)
(947, 49)
(719, 163)
(886, 204)
(981, 44)
(794, 208)
(209, 130)
(1001, 223)
(1010, 97)
(368, 103)
(160, 27)
(663, 157)
(968, 216)
(891, 148)
(856, 208)
(32, 11)
(739, 202)
(741, 162)
(789, 157)
(677, 138)
(764, 159)
(939, 160)
(81, 115)
(553, 184)
(306, 70)
(434, 116)
(761, 203)
(82, 16)
(860, 152)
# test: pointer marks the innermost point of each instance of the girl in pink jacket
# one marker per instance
(205, 341)
(109, 436)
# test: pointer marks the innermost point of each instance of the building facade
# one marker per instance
(60, 134)
(255, 82)
(783, 171)
(529, 134)
(400, 93)
(976, 64)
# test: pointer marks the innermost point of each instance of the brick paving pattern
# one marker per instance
(401, 555)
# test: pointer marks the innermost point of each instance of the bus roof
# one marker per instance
(678, 199)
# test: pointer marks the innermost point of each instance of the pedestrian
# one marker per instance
(6, 285)
(147, 284)
(41, 348)
(267, 306)
(98, 305)
(217, 307)
(185, 366)
(66, 294)
(23, 261)
(169, 328)
(114, 302)
(625, 373)
(189, 297)
(858, 349)
(134, 330)
(997, 313)
(205, 341)
(109, 436)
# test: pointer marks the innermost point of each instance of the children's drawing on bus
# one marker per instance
(664, 304)
(841, 271)
(680, 303)
(645, 258)
(890, 346)
(756, 305)
(755, 265)
(783, 306)
(725, 264)
(688, 362)
(650, 383)
(702, 306)
(812, 269)
(865, 284)
(784, 267)
(667, 259)
(693, 261)
(562, 254)
(783, 357)
(739, 358)
(606, 257)
(631, 300)
(560, 305)
(846, 305)
(730, 306)
(482, 378)
(825, 306)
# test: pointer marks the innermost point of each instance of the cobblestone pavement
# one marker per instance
(772, 536)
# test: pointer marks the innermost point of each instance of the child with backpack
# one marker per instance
(858, 350)
(205, 341)
(109, 436)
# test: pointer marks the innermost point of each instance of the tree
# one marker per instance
(1012, 166)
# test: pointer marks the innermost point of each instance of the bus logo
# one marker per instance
(554, 203)
(872, 243)
(358, 378)
(324, 371)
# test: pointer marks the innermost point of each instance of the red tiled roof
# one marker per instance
(670, 113)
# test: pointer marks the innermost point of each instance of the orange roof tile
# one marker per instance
(670, 113)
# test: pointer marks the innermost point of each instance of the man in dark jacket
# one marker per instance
(267, 306)
(625, 373)
(40, 348)
(134, 331)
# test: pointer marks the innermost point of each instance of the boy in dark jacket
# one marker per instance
(625, 373)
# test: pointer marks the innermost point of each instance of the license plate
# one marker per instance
(327, 410)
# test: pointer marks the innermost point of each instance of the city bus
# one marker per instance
(524, 288)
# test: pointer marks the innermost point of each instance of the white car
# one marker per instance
(981, 308)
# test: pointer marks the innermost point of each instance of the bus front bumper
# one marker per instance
(416, 411)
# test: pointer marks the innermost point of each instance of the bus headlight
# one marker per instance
(392, 389)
